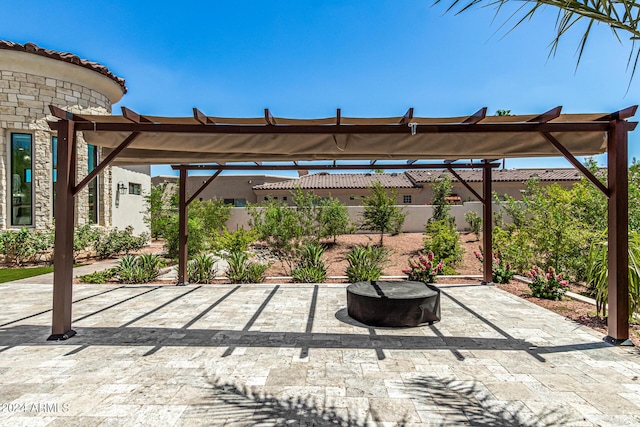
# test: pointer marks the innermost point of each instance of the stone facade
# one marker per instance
(29, 83)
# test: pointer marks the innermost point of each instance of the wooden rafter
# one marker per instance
(134, 117)
(547, 116)
(202, 118)
(408, 116)
(204, 185)
(477, 116)
(269, 118)
(465, 183)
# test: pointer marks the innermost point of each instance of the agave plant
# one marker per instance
(139, 269)
(201, 269)
(598, 273)
(241, 270)
(366, 263)
(310, 267)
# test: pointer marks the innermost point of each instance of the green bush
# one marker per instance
(116, 242)
(444, 241)
(197, 236)
(86, 238)
(310, 267)
(99, 277)
(423, 269)
(598, 274)
(380, 212)
(366, 263)
(441, 190)
(238, 240)
(139, 269)
(501, 270)
(334, 220)
(547, 285)
(241, 270)
(25, 245)
(201, 269)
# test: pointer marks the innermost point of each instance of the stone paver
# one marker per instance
(262, 355)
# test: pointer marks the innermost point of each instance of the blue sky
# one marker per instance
(305, 59)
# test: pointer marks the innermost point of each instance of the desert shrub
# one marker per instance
(201, 269)
(380, 212)
(116, 242)
(241, 270)
(441, 190)
(197, 236)
(310, 267)
(238, 240)
(598, 274)
(501, 270)
(139, 269)
(24, 245)
(99, 277)
(366, 263)
(213, 213)
(474, 221)
(444, 241)
(424, 268)
(86, 238)
(333, 217)
(159, 210)
(547, 284)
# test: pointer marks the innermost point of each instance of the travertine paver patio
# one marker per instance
(289, 355)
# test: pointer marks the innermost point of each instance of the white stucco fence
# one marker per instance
(415, 220)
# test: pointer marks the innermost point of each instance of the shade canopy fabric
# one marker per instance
(205, 139)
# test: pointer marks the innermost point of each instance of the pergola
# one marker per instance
(202, 142)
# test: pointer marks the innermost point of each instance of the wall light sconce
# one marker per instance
(122, 189)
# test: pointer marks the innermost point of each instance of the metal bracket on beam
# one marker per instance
(576, 163)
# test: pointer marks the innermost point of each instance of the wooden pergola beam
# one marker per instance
(547, 116)
(477, 116)
(106, 162)
(202, 118)
(134, 117)
(61, 328)
(329, 167)
(576, 163)
(268, 118)
(465, 183)
(183, 229)
(487, 225)
(204, 185)
(408, 116)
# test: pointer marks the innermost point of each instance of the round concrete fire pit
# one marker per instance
(388, 303)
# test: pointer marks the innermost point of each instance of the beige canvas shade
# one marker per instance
(253, 140)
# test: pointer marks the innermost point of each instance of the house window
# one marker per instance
(284, 198)
(21, 182)
(54, 171)
(93, 185)
(135, 188)
(406, 200)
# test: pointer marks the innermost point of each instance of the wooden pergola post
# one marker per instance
(183, 221)
(487, 226)
(63, 249)
(618, 238)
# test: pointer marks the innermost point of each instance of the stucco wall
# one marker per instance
(415, 220)
(129, 209)
(29, 83)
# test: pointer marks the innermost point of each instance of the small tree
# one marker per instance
(334, 218)
(441, 190)
(157, 214)
(380, 212)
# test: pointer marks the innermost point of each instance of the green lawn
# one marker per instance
(9, 274)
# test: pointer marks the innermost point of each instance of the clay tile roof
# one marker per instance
(499, 175)
(333, 181)
(66, 57)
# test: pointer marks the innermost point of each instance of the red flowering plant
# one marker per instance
(501, 270)
(424, 268)
(547, 284)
